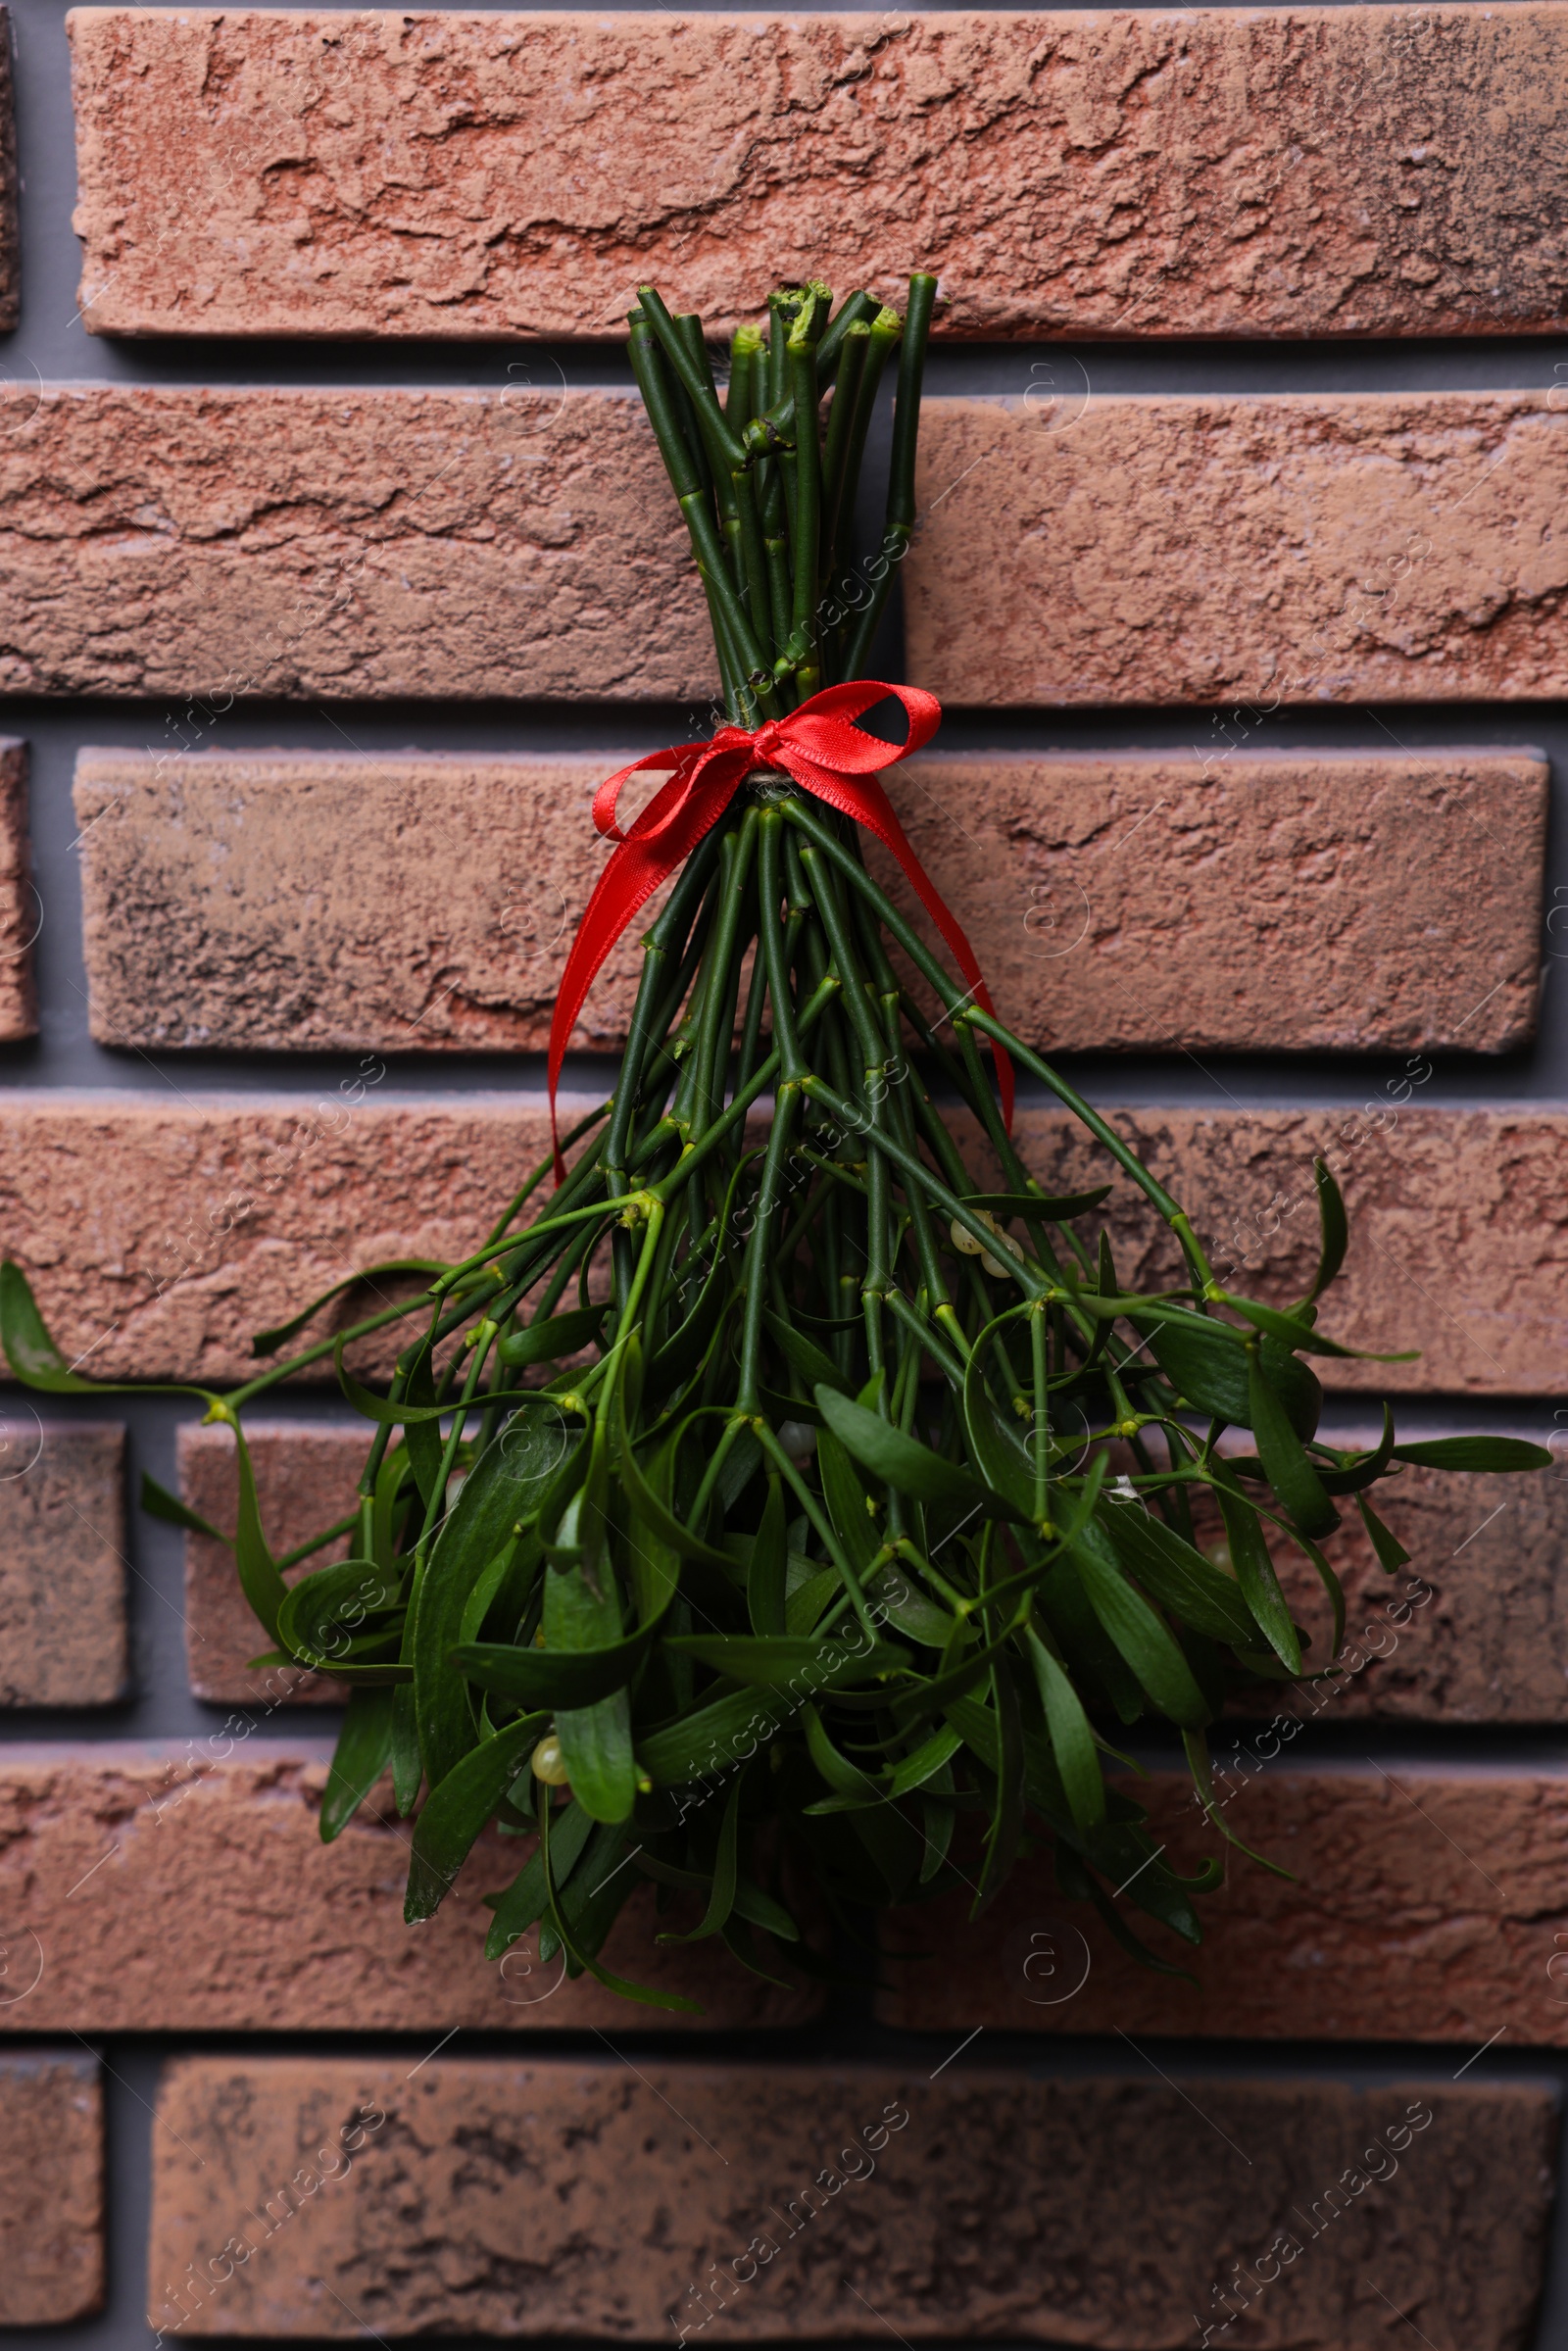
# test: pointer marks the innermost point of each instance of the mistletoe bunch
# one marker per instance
(779, 1504)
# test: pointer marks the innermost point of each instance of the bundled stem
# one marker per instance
(824, 1500)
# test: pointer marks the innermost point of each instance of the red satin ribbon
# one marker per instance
(816, 745)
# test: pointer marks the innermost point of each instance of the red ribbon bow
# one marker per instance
(821, 750)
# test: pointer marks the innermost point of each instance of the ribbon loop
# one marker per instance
(821, 748)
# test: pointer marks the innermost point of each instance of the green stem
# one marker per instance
(695, 499)
(786, 1106)
(690, 329)
(745, 352)
(784, 307)
(912, 1166)
(669, 936)
(696, 1154)
(869, 1120)
(825, 1532)
(1122, 1152)
(776, 555)
(771, 937)
(736, 911)
(435, 1510)
(904, 1111)
(805, 536)
(884, 331)
(899, 514)
(840, 440)
(854, 312)
(1039, 1334)
(237, 1396)
(693, 377)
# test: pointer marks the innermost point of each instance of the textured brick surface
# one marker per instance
(228, 543)
(184, 1888)
(51, 2184)
(245, 1211)
(158, 540)
(1265, 903)
(1475, 1630)
(1303, 170)
(305, 1481)
(1367, 547)
(575, 2200)
(1458, 1243)
(284, 901)
(62, 1562)
(1432, 1905)
(192, 1228)
(21, 911)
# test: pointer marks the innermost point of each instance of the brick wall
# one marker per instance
(334, 573)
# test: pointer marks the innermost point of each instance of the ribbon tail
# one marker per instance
(615, 900)
(863, 799)
(663, 837)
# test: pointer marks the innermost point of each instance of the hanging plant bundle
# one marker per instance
(789, 1512)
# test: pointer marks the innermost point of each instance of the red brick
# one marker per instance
(1310, 170)
(327, 2197)
(184, 1888)
(530, 547)
(284, 901)
(1476, 1631)
(161, 541)
(51, 2183)
(289, 901)
(62, 1561)
(1457, 1218)
(165, 1234)
(1374, 546)
(1274, 902)
(1458, 1237)
(1432, 1904)
(20, 908)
